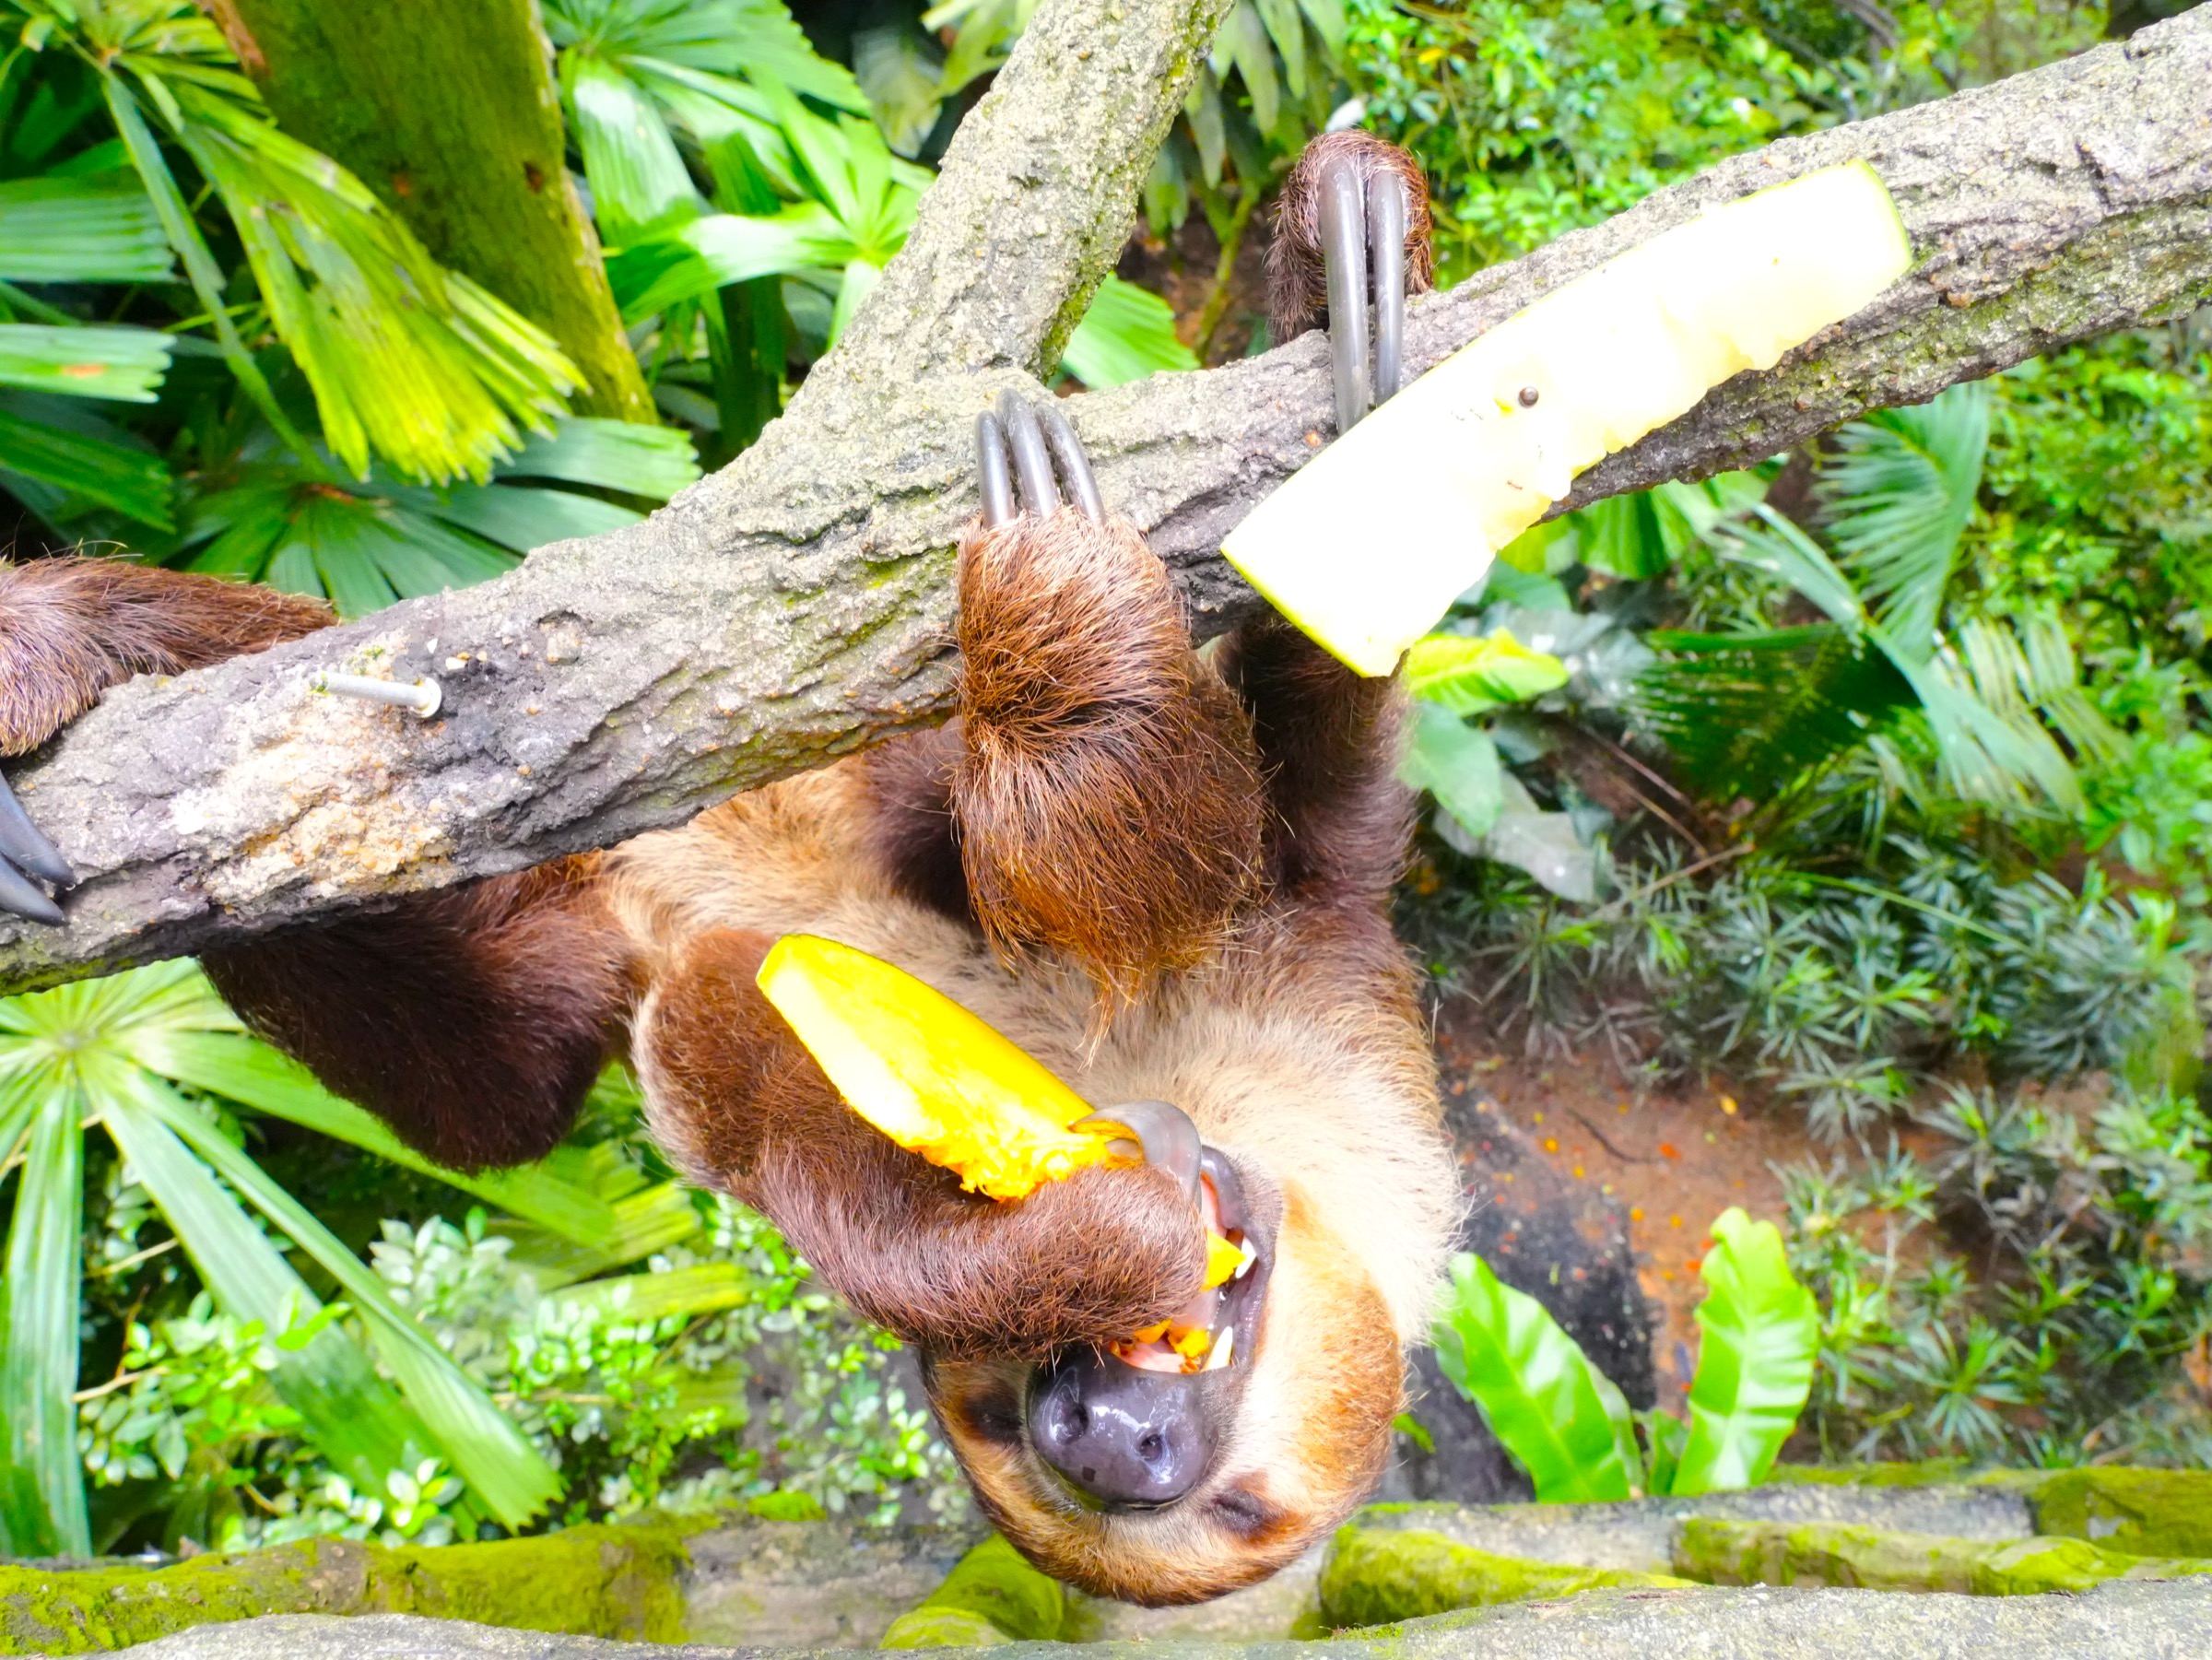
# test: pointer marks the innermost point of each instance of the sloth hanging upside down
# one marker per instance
(1165, 876)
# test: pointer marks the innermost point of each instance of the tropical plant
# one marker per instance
(1568, 1425)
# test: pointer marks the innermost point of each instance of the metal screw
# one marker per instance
(423, 696)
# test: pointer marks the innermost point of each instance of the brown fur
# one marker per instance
(743, 1107)
(1297, 293)
(1109, 800)
(70, 628)
(473, 1021)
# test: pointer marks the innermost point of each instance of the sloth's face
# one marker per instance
(1158, 1486)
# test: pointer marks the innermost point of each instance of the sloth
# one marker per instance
(1164, 872)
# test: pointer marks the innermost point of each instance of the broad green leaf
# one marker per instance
(85, 460)
(1545, 844)
(652, 462)
(102, 362)
(1242, 43)
(899, 72)
(1456, 764)
(1755, 1364)
(1535, 1388)
(502, 1469)
(758, 38)
(1329, 20)
(1127, 334)
(639, 182)
(985, 29)
(1287, 29)
(1470, 675)
(1895, 495)
(67, 229)
(716, 250)
(42, 1484)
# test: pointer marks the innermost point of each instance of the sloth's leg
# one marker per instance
(1107, 796)
(740, 1105)
(1351, 227)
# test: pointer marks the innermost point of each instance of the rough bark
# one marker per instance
(449, 112)
(794, 606)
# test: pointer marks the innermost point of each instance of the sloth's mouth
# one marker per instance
(1216, 1330)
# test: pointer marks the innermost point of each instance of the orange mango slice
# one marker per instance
(1222, 1260)
(927, 1073)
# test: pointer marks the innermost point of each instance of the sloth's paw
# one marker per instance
(1352, 227)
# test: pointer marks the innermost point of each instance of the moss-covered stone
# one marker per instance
(993, 1595)
(1766, 1553)
(1372, 1577)
(2144, 1513)
(604, 1582)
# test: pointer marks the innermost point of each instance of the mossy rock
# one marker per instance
(1766, 1553)
(992, 1597)
(1374, 1577)
(2142, 1513)
(604, 1582)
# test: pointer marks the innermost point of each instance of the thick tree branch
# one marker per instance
(794, 606)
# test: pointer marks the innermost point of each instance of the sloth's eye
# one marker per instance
(1244, 1512)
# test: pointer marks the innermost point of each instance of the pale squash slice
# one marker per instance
(925, 1072)
(1368, 543)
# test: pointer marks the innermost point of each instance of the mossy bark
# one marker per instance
(992, 1596)
(602, 1582)
(1377, 1578)
(449, 112)
(1768, 1553)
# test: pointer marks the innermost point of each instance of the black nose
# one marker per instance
(1123, 1435)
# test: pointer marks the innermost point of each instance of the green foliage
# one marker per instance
(1567, 1425)
(2094, 1209)
(1562, 1419)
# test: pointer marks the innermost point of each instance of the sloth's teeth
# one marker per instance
(1220, 1358)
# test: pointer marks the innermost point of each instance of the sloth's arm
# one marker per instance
(1107, 794)
(741, 1106)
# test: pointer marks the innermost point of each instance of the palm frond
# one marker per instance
(62, 460)
(638, 178)
(1896, 495)
(124, 364)
(102, 229)
(41, 1486)
(1748, 715)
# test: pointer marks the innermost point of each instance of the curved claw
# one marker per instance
(1032, 460)
(992, 477)
(1386, 212)
(22, 842)
(19, 894)
(1343, 226)
(1163, 1132)
(1074, 466)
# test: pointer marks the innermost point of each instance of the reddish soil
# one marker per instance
(1646, 1168)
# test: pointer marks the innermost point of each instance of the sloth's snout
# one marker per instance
(1123, 1437)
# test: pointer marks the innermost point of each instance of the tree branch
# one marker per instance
(796, 607)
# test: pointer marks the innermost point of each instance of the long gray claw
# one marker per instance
(23, 844)
(1032, 461)
(1162, 1131)
(1344, 260)
(992, 477)
(1074, 466)
(19, 894)
(1386, 210)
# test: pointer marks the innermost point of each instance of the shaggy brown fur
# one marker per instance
(70, 628)
(1109, 799)
(1297, 291)
(745, 1108)
(472, 1021)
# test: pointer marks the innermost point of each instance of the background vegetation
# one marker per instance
(1875, 777)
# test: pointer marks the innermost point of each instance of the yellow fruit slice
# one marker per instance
(1222, 1260)
(927, 1073)
(1367, 545)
